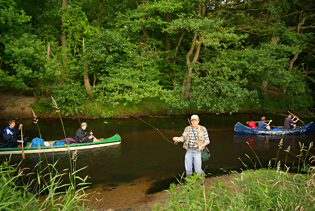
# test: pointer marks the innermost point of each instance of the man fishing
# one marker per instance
(194, 138)
(9, 135)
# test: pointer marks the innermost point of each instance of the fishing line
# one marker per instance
(160, 131)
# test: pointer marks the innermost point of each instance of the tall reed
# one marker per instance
(35, 120)
(57, 110)
(45, 189)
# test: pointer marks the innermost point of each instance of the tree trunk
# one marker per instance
(48, 50)
(265, 86)
(63, 37)
(167, 37)
(144, 30)
(86, 73)
(101, 7)
(178, 44)
(190, 64)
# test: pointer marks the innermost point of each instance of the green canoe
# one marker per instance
(114, 140)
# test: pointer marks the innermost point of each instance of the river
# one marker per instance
(146, 163)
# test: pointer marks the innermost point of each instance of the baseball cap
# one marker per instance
(83, 123)
(194, 117)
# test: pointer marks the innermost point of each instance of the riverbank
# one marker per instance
(261, 189)
(129, 197)
(14, 106)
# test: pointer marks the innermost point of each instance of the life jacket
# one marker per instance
(199, 136)
(9, 131)
(252, 124)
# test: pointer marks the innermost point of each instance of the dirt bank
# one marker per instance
(15, 107)
(131, 198)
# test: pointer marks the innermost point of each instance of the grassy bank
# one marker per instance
(153, 107)
(263, 189)
(42, 188)
(20, 106)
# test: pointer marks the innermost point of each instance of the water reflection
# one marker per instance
(272, 144)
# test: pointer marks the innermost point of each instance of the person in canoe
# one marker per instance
(81, 136)
(289, 123)
(263, 125)
(195, 138)
(9, 136)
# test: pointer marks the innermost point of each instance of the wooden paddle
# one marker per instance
(296, 117)
(23, 156)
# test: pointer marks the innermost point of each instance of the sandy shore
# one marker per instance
(132, 196)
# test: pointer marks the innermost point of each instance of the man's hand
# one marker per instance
(177, 139)
(20, 126)
(20, 141)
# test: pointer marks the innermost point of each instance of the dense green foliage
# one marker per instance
(215, 56)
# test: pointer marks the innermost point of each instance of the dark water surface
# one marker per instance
(145, 154)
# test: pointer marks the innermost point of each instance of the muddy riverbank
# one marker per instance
(132, 198)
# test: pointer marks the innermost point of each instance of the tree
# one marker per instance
(123, 75)
(25, 65)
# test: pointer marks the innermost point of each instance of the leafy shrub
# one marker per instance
(70, 98)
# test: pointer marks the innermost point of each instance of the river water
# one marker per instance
(146, 163)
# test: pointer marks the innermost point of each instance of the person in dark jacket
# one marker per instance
(263, 125)
(9, 135)
(81, 136)
(289, 123)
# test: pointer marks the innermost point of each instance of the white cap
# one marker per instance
(194, 117)
(83, 123)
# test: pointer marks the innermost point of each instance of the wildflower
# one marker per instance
(55, 105)
(35, 119)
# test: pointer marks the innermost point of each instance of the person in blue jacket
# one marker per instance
(9, 135)
(263, 125)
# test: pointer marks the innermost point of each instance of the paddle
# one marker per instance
(263, 121)
(296, 117)
(23, 156)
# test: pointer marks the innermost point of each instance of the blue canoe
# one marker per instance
(242, 129)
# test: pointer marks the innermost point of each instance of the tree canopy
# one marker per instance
(215, 56)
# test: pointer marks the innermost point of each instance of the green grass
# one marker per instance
(263, 189)
(47, 190)
(274, 188)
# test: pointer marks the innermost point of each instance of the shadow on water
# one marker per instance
(161, 185)
(145, 157)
